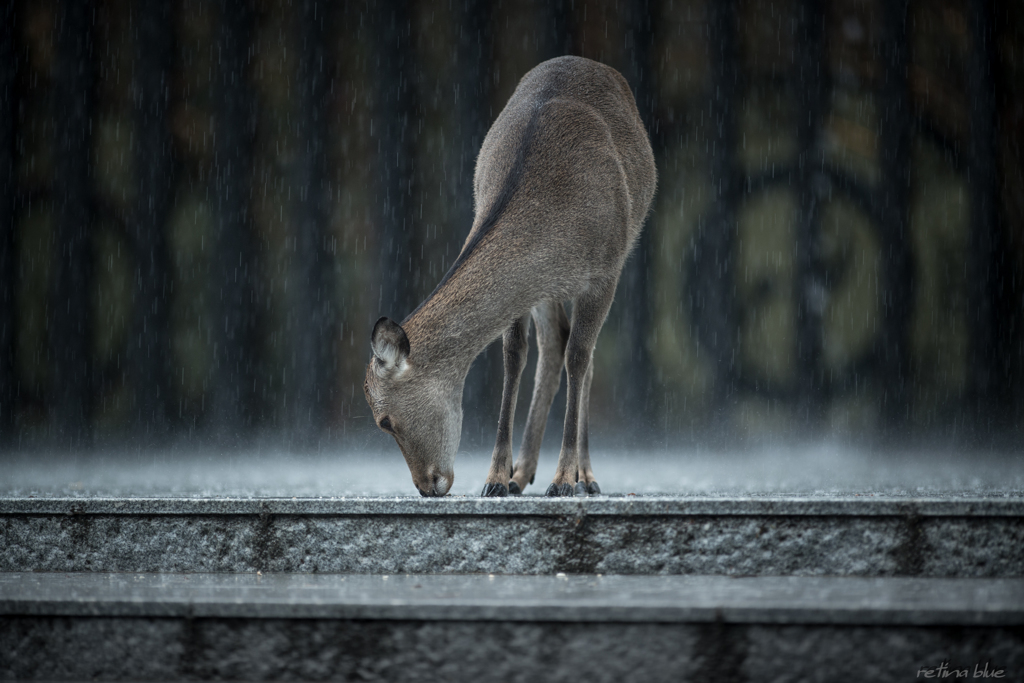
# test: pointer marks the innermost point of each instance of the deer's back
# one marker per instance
(563, 183)
(566, 171)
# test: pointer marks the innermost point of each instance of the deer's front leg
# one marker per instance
(515, 346)
(552, 335)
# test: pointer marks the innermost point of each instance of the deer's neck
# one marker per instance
(470, 310)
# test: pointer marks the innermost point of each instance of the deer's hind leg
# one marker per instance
(586, 473)
(515, 346)
(588, 316)
(552, 334)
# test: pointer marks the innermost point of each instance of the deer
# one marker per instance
(562, 186)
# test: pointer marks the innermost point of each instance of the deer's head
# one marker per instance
(420, 409)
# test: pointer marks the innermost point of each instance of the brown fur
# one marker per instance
(563, 182)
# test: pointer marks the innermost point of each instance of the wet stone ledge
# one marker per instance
(161, 649)
(758, 536)
(504, 628)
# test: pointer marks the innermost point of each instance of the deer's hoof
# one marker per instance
(593, 489)
(494, 491)
(559, 490)
(513, 488)
(580, 489)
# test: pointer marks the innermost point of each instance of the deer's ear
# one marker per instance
(390, 345)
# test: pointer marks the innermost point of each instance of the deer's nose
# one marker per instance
(442, 482)
(439, 485)
(431, 493)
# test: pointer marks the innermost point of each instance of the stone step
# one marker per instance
(506, 628)
(949, 536)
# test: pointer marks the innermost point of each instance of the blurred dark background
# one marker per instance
(205, 205)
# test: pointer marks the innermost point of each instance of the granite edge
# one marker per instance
(1007, 616)
(666, 506)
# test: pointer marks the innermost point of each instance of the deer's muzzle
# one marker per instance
(439, 486)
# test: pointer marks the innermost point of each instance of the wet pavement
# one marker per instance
(808, 470)
(767, 599)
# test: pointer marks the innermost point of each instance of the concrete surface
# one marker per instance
(876, 535)
(368, 628)
(789, 564)
(811, 470)
(590, 598)
(165, 649)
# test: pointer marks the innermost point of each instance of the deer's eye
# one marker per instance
(385, 424)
